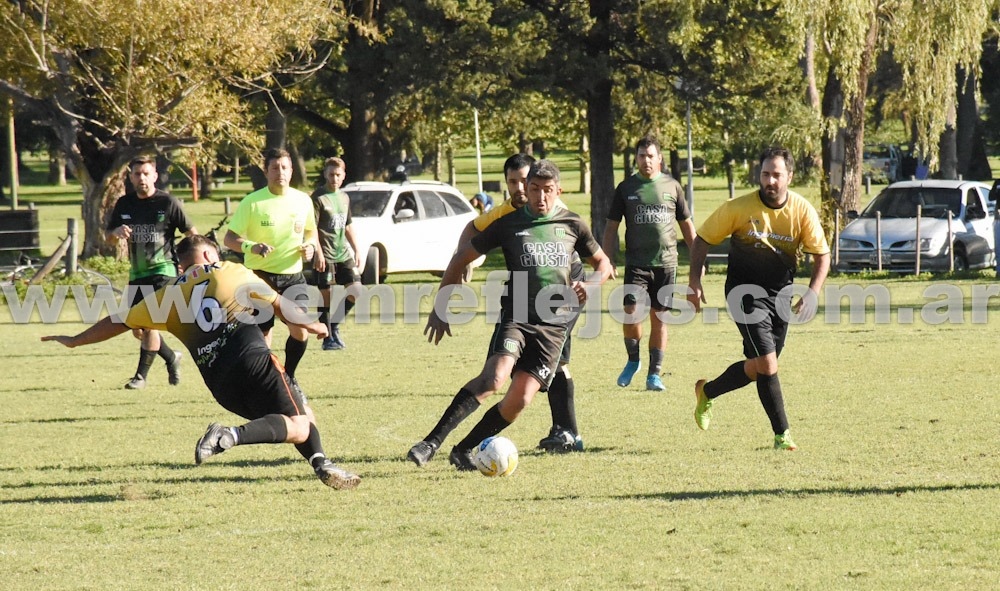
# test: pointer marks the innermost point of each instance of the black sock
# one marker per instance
(312, 448)
(462, 405)
(561, 392)
(769, 392)
(632, 348)
(294, 351)
(324, 315)
(348, 306)
(267, 429)
(343, 308)
(165, 352)
(655, 361)
(146, 359)
(732, 379)
(491, 424)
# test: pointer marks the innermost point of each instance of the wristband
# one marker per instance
(247, 246)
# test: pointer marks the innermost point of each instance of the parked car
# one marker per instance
(408, 227)
(972, 228)
(884, 162)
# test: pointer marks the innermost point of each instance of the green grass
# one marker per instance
(895, 486)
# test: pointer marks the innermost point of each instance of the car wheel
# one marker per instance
(961, 262)
(371, 275)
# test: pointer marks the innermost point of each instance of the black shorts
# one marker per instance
(535, 347)
(279, 282)
(652, 280)
(256, 386)
(134, 292)
(336, 274)
(760, 335)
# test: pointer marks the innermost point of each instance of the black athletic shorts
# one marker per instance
(343, 273)
(134, 292)
(760, 335)
(255, 386)
(567, 350)
(279, 282)
(652, 280)
(535, 347)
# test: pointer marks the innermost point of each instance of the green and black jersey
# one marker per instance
(154, 222)
(538, 252)
(650, 208)
(333, 215)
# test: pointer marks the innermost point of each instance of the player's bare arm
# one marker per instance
(437, 327)
(234, 241)
(107, 328)
(609, 242)
(807, 305)
(698, 253)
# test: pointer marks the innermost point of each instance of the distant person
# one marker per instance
(337, 257)
(275, 227)
(651, 203)
(766, 229)
(399, 175)
(482, 202)
(528, 344)
(148, 219)
(235, 362)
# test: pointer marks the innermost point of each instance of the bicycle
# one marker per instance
(225, 253)
(29, 271)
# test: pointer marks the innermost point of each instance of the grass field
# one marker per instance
(896, 485)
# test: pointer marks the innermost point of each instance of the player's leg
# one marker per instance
(260, 390)
(135, 291)
(468, 399)
(635, 283)
(346, 276)
(522, 390)
(564, 434)
(660, 298)
(294, 287)
(769, 385)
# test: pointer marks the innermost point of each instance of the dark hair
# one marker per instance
(140, 160)
(187, 247)
(333, 162)
(778, 152)
(544, 169)
(517, 162)
(274, 154)
(647, 141)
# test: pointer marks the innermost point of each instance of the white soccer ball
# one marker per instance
(496, 456)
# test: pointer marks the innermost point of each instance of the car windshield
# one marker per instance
(902, 202)
(368, 204)
(872, 152)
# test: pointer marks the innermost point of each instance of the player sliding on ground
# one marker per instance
(220, 331)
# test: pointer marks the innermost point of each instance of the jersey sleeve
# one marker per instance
(681, 210)
(115, 219)
(486, 219)
(241, 218)
(309, 211)
(586, 245)
(719, 225)
(617, 210)
(179, 217)
(139, 316)
(813, 237)
(488, 239)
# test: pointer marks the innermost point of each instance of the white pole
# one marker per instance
(690, 185)
(479, 155)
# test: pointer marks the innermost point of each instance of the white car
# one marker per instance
(408, 227)
(971, 227)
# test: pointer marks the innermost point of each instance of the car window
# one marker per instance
(974, 209)
(458, 204)
(433, 205)
(406, 201)
(368, 204)
(902, 202)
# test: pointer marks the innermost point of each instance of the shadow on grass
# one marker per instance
(860, 491)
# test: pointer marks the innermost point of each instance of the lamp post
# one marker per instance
(684, 89)
(479, 155)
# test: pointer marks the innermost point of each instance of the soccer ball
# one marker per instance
(496, 456)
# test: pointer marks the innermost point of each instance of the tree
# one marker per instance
(111, 88)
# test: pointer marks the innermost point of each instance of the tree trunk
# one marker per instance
(584, 165)
(854, 134)
(600, 124)
(832, 181)
(811, 161)
(452, 173)
(57, 167)
(947, 149)
(972, 160)
(275, 128)
(359, 152)
(524, 144)
(99, 199)
(300, 176)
